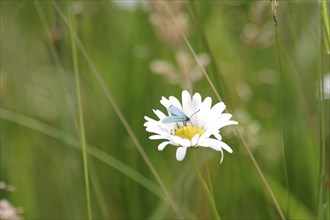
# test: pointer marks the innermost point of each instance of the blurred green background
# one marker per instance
(268, 77)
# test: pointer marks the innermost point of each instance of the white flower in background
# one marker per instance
(129, 5)
(326, 86)
(184, 71)
(190, 124)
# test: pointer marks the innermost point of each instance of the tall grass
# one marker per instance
(80, 83)
(80, 113)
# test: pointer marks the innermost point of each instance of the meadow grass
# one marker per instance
(76, 83)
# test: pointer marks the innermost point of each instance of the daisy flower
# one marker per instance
(190, 124)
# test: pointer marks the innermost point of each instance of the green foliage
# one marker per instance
(268, 76)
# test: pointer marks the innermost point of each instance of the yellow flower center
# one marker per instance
(188, 132)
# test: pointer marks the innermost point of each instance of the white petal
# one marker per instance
(194, 140)
(174, 101)
(221, 159)
(214, 114)
(217, 136)
(181, 153)
(220, 124)
(218, 108)
(175, 139)
(226, 147)
(157, 137)
(202, 138)
(204, 113)
(196, 120)
(178, 141)
(158, 129)
(229, 123)
(161, 146)
(159, 114)
(196, 102)
(211, 143)
(149, 119)
(214, 144)
(225, 116)
(185, 142)
(222, 118)
(206, 105)
(154, 129)
(206, 135)
(165, 102)
(146, 124)
(186, 102)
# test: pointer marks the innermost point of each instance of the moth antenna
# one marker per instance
(194, 113)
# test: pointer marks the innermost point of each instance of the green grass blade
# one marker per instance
(326, 24)
(80, 115)
(92, 150)
(121, 116)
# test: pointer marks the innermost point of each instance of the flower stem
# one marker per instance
(206, 189)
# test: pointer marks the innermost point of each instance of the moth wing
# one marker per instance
(173, 119)
(176, 111)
